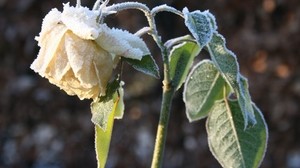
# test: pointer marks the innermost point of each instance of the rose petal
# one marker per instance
(72, 86)
(59, 64)
(122, 43)
(49, 43)
(49, 22)
(89, 62)
(82, 21)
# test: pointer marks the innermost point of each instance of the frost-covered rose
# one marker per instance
(78, 54)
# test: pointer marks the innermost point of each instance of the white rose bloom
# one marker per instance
(78, 54)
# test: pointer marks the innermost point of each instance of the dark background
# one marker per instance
(43, 127)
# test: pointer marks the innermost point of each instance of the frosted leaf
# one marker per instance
(181, 59)
(245, 99)
(226, 61)
(146, 65)
(122, 43)
(229, 142)
(212, 20)
(203, 87)
(82, 21)
(200, 25)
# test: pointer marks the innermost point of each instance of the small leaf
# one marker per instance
(230, 143)
(146, 65)
(103, 106)
(181, 60)
(203, 87)
(244, 100)
(100, 112)
(226, 62)
(200, 25)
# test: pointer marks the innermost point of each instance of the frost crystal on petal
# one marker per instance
(50, 42)
(122, 43)
(82, 21)
(50, 21)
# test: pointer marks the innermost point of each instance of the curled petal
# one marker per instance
(50, 41)
(121, 43)
(51, 20)
(71, 85)
(81, 21)
(90, 63)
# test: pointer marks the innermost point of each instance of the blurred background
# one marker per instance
(43, 127)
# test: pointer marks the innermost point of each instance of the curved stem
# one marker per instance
(142, 7)
(166, 8)
(170, 43)
(143, 31)
(78, 3)
(97, 4)
(127, 5)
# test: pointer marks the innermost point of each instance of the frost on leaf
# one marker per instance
(146, 65)
(201, 25)
(181, 59)
(226, 62)
(229, 142)
(203, 87)
(111, 103)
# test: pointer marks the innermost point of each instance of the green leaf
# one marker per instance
(200, 25)
(227, 64)
(230, 143)
(111, 90)
(224, 59)
(103, 115)
(146, 65)
(245, 101)
(212, 20)
(102, 141)
(181, 60)
(203, 87)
